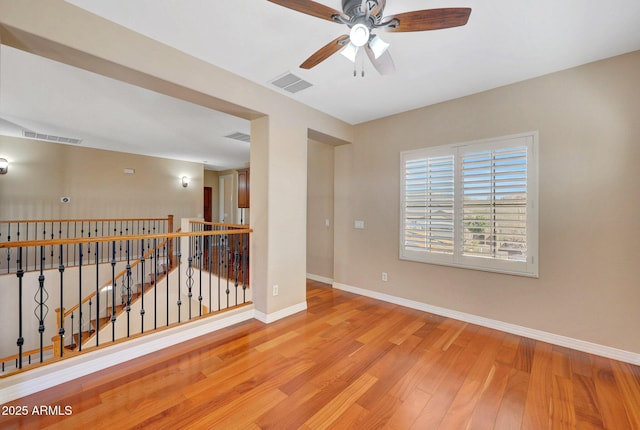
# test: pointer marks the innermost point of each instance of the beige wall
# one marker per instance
(320, 209)
(41, 173)
(588, 120)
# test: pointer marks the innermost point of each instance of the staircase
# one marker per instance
(134, 299)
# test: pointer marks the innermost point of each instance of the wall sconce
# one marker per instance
(185, 181)
(4, 166)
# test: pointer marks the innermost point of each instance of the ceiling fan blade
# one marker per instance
(310, 8)
(383, 64)
(428, 19)
(325, 52)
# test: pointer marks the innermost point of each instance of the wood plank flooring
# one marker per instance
(349, 362)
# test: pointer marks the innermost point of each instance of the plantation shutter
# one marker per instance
(494, 203)
(472, 205)
(428, 215)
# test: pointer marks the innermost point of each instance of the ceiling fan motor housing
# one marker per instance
(353, 8)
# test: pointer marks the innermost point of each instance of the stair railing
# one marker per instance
(161, 284)
(43, 229)
(224, 258)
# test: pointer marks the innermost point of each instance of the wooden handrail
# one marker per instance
(24, 221)
(52, 242)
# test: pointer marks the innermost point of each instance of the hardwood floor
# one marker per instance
(349, 362)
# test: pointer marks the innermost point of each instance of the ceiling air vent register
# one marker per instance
(51, 138)
(291, 83)
(243, 137)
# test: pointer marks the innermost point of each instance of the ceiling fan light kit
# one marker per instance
(363, 17)
(378, 46)
(359, 35)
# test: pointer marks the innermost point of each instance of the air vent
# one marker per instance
(239, 136)
(291, 83)
(51, 138)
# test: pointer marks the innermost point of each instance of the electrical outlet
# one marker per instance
(385, 277)
(275, 290)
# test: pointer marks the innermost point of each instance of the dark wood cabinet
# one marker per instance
(243, 188)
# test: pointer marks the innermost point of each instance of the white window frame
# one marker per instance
(528, 267)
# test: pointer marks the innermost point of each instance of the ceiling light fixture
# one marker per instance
(378, 46)
(4, 166)
(359, 35)
(350, 51)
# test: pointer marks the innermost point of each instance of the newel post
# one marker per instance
(60, 317)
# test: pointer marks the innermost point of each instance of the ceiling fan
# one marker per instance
(363, 17)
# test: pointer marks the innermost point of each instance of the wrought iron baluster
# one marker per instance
(199, 242)
(80, 255)
(60, 248)
(120, 243)
(154, 259)
(89, 243)
(227, 257)
(113, 292)
(67, 259)
(220, 244)
(210, 266)
(179, 303)
(41, 298)
(190, 275)
(61, 329)
(26, 257)
(52, 247)
(127, 285)
(20, 341)
(166, 270)
(143, 282)
(245, 264)
(75, 234)
(97, 253)
(102, 244)
(96, 235)
(236, 264)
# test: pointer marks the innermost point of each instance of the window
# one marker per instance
(472, 205)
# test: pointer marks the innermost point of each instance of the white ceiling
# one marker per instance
(505, 41)
(51, 98)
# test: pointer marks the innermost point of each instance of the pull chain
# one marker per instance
(355, 64)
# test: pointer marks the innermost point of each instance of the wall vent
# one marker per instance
(291, 83)
(243, 137)
(51, 138)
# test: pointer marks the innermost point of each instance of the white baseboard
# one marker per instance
(319, 278)
(283, 313)
(555, 339)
